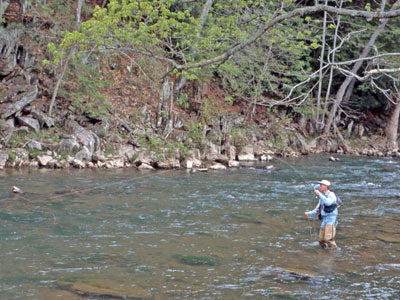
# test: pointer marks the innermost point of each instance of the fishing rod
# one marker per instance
(304, 181)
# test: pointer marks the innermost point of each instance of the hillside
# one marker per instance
(105, 109)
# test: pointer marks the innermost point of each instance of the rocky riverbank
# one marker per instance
(75, 142)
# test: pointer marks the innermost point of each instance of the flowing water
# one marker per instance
(236, 234)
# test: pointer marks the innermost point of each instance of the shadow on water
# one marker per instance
(235, 234)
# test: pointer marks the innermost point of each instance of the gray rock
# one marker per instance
(233, 164)
(44, 160)
(84, 154)
(247, 154)
(101, 129)
(43, 119)
(98, 156)
(34, 145)
(21, 100)
(8, 44)
(21, 153)
(3, 159)
(217, 166)
(76, 163)
(84, 137)
(145, 166)
(69, 145)
(30, 122)
(127, 151)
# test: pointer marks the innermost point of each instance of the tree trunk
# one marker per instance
(58, 84)
(332, 60)
(181, 81)
(342, 90)
(392, 127)
(321, 64)
(78, 14)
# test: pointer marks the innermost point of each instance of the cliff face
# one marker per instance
(109, 115)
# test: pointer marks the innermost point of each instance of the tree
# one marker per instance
(181, 37)
(349, 79)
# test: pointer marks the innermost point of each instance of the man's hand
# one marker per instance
(307, 213)
(316, 192)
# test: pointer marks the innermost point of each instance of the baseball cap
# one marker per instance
(326, 182)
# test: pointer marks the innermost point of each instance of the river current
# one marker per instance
(235, 234)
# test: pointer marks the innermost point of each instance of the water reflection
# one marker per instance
(217, 235)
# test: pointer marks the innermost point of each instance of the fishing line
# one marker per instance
(58, 196)
(310, 223)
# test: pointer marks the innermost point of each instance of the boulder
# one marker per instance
(34, 145)
(8, 44)
(230, 152)
(3, 159)
(233, 164)
(217, 166)
(266, 157)
(247, 154)
(19, 102)
(145, 166)
(84, 154)
(212, 152)
(98, 156)
(44, 160)
(188, 164)
(127, 152)
(43, 119)
(102, 128)
(84, 137)
(29, 122)
(194, 157)
(118, 162)
(69, 145)
(169, 163)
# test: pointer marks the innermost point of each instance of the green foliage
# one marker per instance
(17, 140)
(58, 10)
(183, 101)
(153, 144)
(239, 137)
(86, 97)
(195, 132)
(11, 155)
(207, 111)
(34, 153)
(230, 100)
(269, 67)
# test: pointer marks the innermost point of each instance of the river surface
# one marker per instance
(236, 234)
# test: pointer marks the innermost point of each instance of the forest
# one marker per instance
(221, 76)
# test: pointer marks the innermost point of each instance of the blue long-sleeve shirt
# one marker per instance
(325, 200)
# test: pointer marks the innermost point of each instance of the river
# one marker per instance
(235, 234)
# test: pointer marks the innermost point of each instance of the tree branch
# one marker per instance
(276, 20)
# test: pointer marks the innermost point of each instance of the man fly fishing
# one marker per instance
(328, 212)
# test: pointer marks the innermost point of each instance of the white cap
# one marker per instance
(325, 182)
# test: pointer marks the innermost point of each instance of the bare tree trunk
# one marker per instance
(58, 84)
(321, 64)
(332, 60)
(78, 14)
(393, 126)
(342, 90)
(181, 81)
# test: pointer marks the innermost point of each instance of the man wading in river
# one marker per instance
(327, 208)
